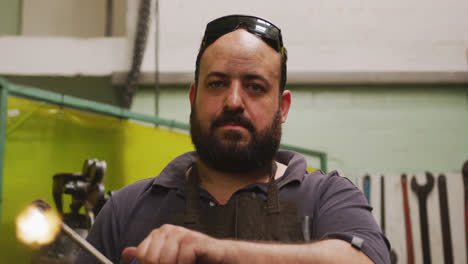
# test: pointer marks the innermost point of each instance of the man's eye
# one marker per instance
(256, 88)
(216, 84)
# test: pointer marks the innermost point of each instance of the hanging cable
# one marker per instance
(138, 52)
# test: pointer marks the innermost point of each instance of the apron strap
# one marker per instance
(273, 197)
(192, 195)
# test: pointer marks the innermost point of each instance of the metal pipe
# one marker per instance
(70, 101)
(324, 162)
(156, 60)
(109, 17)
(19, 29)
(84, 244)
(321, 155)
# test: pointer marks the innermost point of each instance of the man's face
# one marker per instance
(237, 111)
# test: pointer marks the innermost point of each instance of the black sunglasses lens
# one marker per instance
(263, 29)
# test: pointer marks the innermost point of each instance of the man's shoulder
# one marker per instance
(319, 174)
(332, 179)
(134, 189)
(172, 176)
(297, 170)
(126, 198)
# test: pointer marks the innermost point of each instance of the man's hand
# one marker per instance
(175, 244)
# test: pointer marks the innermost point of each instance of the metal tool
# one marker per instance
(393, 256)
(42, 207)
(86, 189)
(409, 231)
(382, 203)
(366, 185)
(422, 192)
(84, 244)
(445, 219)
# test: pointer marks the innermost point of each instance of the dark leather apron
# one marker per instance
(249, 217)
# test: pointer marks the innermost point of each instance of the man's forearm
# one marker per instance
(325, 251)
(175, 244)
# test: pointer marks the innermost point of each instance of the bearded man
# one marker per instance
(237, 199)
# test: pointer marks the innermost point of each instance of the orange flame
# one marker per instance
(36, 227)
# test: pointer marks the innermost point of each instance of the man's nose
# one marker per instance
(234, 100)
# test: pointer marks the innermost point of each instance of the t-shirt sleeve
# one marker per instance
(103, 235)
(344, 213)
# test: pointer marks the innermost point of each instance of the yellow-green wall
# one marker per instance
(44, 139)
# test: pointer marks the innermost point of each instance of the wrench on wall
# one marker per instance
(422, 191)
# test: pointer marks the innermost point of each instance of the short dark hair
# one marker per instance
(283, 78)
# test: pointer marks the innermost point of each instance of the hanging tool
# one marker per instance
(382, 203)
(366, 185)
(445, 219)
(422, 192)
(393, 256)
(409, 231)
(465, 183)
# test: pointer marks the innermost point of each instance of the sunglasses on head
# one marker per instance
(260, 27)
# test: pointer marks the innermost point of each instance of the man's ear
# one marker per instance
(192, 92)
(285, 103)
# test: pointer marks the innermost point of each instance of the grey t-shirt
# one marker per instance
(333, 206)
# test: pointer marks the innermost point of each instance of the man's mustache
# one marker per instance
(228, 117)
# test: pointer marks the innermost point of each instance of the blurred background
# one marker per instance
(379, 89)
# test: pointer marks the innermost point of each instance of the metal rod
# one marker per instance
(3, 118)
(84, 244)
(156, 61)
(324, 162)
(70, 101)
(19, 28)
(321, 155)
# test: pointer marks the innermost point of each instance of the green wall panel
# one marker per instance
(391, 128)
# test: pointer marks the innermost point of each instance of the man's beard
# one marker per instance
(232, 156)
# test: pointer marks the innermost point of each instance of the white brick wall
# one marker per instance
(352, 40)
(338, 36)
